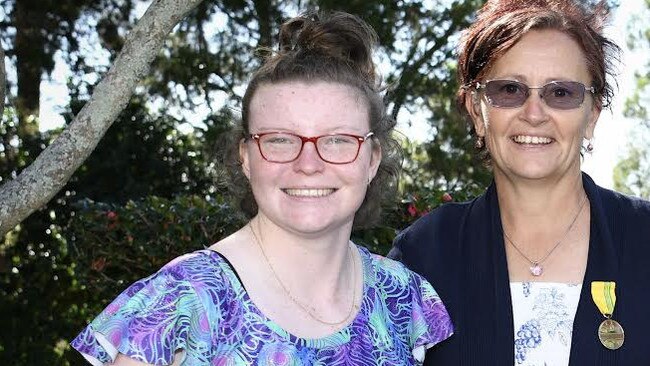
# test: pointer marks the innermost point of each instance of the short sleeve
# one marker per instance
(431, 321)
(150, 321)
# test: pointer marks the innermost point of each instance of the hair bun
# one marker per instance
(337, 35)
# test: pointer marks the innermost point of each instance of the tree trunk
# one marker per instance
(3, 82)
(29, 47)
(39, 182)
(264, 11)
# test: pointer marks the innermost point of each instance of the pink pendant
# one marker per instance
(536, 270)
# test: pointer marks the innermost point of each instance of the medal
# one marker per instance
(610, 332)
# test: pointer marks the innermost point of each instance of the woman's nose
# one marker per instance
(309, 161)
(535, 109)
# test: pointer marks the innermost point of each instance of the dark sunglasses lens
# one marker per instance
(506, 93)
(563, 94)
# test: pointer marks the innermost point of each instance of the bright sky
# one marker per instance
(611, 132)
(613, 129)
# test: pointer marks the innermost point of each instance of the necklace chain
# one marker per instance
(304, 307)
(536, 263)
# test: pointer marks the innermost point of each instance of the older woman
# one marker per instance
(290, 288)
(544, 268)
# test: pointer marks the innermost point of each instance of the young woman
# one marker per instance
(314, 155)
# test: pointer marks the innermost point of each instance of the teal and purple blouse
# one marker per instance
(196, 307)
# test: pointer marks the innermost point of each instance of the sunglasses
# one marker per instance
(556, 94)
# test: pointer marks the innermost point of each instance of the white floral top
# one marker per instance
(543, 314)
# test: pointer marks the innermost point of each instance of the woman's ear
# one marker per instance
(473, 107)
(591, 122)
(375, 159)
(244, 159)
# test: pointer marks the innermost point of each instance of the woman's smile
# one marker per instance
(531, 140)
(308, 192)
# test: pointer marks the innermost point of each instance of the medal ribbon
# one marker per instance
(604, 296)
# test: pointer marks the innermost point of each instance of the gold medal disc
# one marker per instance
(611, 334)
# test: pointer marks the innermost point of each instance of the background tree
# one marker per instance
(49, 172)
(632, 173)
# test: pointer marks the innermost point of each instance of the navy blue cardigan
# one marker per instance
(459, 249)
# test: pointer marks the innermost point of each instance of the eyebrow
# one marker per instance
(524, 79)
(327, 131)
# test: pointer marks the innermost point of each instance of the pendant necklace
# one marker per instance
(536, 268)
(301, 305)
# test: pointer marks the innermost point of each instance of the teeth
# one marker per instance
(308, 192)
(535, 140)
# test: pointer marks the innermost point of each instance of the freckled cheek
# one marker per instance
(263, 177)
(353, 174)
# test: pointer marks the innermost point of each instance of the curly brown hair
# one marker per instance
(332, 47)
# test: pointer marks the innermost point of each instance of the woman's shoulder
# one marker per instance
(202, 266)
(614, 202)
(629, 201)
(172, 309)
(384, 266)
(433, 231)
(392, 273)
(409, 296)
(185, 264)
(445, 216)
(623, 206)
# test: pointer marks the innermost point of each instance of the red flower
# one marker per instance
(112, 215)
(446, 197)
(98, 264)
(412, 210)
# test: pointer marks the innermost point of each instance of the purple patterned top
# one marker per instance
(197, 306)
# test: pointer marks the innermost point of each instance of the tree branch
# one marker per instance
(410, 70)
(39, 182)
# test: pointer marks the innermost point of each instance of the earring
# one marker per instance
(479, 142)
(587, 149)
(369, 180)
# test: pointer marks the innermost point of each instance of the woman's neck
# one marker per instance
(538, 206)
(314, 263)
(545, 228)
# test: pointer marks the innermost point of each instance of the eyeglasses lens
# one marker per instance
(283, 148)
(558, 94)
(279, 147)
(338, 148)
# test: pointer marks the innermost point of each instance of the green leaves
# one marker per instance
(632, 173)
(117, 244)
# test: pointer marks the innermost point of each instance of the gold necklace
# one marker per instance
(536, 268)
(304, 307)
